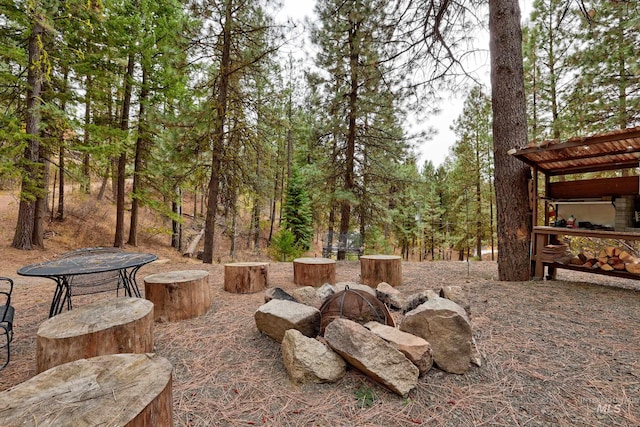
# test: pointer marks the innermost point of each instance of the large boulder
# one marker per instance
(372, 355)
(390, 296)
(458, 295)
(419, 298)
(307, 295)
(277, 293)
(307, 360)
(277, 316)
(325, 291)
(414, 348)
(341, 286)
(445, 325)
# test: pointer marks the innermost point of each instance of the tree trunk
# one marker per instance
(122, 160)
(23, 237)
(509, 131)
(218, 135)
(176, 226)
(41, 203)
(345, 209)
(61, 167)
(139, 160)
(85, 185)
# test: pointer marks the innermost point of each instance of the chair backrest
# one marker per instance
(6, 288)
(83, 284)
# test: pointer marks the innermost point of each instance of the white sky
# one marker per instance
(437, 148)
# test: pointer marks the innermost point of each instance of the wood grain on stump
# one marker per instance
(246, 277)
(381, 268)
(132, 390)
(178, 295)
(120, 325)
(314, 271)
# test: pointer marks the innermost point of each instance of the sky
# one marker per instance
(437, 148)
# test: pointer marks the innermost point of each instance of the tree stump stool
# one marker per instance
(246, 277)
(314, 271)
(120, 325)
(178, 295)
(381, 268)
(117, 390)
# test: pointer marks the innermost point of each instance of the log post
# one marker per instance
(132, 390)
(120, 325)
(178, 295)
(314, 271)
(381, 268)
(246, 277)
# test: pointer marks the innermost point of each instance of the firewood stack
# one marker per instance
(609, 259)
(557, 253)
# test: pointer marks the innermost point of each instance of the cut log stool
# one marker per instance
(178, 295)
(132, 390)
(314, 271)
(246, 277)
(381, 268)
(120, 325)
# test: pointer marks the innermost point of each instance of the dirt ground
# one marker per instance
(554, 353)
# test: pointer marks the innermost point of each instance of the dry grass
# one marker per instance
(555, 353)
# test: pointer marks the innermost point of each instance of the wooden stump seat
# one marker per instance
(178, 295)
(121, 325)
(314, 271)
(246, 277)
(116, 390)
(381, 268)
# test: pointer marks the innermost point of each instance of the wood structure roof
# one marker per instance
(613, 150)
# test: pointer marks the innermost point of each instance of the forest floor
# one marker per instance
(554, 353)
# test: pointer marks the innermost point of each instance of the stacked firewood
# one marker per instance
(609, 259)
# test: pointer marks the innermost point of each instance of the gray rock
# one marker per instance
(445, 325)
(307, 295)
(419, 298)
(277, 316)
(277, 293)
(372, 355)
(324, 292)
(390, 296)
(340, 286)
(458, 295)
(416, 349)
(476, 357)
(307, 360)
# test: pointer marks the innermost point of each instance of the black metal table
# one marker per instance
(63, 270)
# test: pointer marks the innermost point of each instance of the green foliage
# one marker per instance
(376, 242)
(365, 396)
(283, 246)
(297, 214)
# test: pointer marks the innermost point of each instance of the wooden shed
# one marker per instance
(597, 207)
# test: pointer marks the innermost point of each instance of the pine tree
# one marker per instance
(297, 214)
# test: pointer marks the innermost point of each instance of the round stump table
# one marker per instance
(178, 295)
(132, 390)
(375, 269)
(246, 277)
(120, 325)
(314, 271)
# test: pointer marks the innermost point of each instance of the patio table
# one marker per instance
(63, 270)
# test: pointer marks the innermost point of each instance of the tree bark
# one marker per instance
(23, 237)
(509, 131)
(85, 186)
(218, 135)
(139, 160)
(345, 210)
(122, 160)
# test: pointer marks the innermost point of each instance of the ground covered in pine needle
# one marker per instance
(554, 353)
